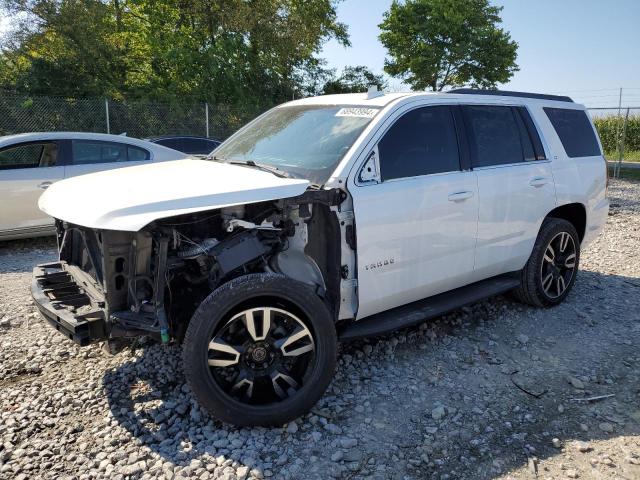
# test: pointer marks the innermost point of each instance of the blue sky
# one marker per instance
(584, 48)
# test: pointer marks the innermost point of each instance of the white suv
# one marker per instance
(325, 218)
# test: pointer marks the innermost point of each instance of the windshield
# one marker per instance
(303, 141)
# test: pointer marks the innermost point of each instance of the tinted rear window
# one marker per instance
(88, 151)
(199, 146)
(575, 131)
(174, 143)
(138, 154)
(494, 135)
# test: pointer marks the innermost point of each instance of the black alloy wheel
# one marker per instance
(261, 355)
(549, 274)
(559, 265)
(260, 350)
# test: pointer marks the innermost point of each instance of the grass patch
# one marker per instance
(632, 156)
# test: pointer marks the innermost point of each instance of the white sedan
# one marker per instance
(31, 162)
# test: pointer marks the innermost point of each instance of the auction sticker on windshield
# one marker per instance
(357, 112)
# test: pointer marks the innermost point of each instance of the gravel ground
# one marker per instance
(497, 390)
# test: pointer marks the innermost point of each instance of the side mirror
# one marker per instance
(369, 173)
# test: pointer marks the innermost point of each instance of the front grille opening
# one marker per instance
(120, 264)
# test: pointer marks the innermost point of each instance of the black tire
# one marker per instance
(218, 310)
(531, 289)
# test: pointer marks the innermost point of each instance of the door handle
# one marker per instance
(45, 185)
(460, 196)
(538, 181)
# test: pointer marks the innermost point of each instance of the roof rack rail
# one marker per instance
(506, 93)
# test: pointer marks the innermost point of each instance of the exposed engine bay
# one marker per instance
(128, 284)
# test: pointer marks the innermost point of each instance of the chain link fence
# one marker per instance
(142, 119)
(619, 131)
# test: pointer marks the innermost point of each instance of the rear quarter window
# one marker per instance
(575, 132)
(136, 154)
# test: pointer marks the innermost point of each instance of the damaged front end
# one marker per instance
(83, 293)
(114, 285)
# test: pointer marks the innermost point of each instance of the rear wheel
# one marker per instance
(260, 350)
(550, 273)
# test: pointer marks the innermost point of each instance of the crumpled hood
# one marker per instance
(129, 198)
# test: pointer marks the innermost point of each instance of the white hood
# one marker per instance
(129, 198)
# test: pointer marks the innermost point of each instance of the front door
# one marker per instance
(416, 223)
(26, 170)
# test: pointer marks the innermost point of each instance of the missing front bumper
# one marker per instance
(66, 305)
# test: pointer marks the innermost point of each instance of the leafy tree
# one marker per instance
(439, 43)
(354, 80)
(225, 51)
(312, 77)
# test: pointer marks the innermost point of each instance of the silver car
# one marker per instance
(31, 162)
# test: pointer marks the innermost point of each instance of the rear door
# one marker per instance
(416, 223)
(88, 156)
(26, 170)
(515, 184)
(579, 168)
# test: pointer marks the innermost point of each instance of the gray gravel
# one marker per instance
(494, 390)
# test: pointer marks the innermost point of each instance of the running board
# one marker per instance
(418, 312)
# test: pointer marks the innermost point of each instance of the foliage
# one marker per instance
(610, 131)
(223, 51)
(439, 43)
(354, 80)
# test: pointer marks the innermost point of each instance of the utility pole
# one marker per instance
(620, 102)
(206, 117)
(106, 112)
(616, 169)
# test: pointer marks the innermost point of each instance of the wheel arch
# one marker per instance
(574, 213)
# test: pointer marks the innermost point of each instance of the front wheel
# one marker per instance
(550, 273)
(260, 350)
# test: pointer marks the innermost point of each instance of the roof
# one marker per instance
(509, 93)
(38, 136)
(360, 99)
(170, 137)
(463, 95)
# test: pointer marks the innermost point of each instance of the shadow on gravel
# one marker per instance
(13, 253)
(510, 379)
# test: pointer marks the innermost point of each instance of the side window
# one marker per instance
(192, 145)
(174, 143)
(421, 142)
(205, 147)
(494, 135)
(29, 155)
(534, 136)
(525, 139)
(136, 154)
(89, 152)
(575, 131)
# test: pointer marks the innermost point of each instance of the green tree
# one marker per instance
(354, 80)
(439, 43)
(226, 51)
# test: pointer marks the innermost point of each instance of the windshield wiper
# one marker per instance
(264, 167)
